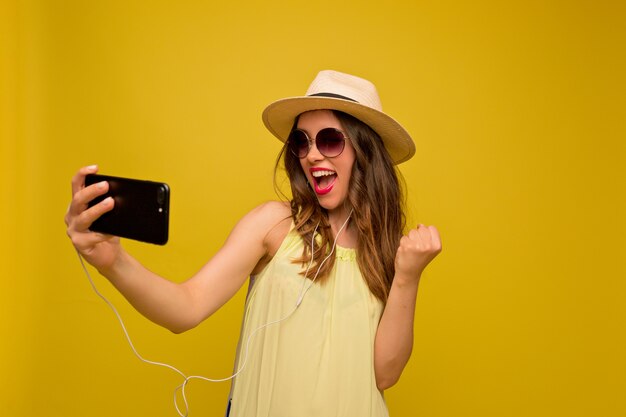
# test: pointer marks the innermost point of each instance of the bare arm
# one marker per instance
(394, 337)
(177, 307)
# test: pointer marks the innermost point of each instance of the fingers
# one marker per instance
(416, 250)
(434, 235)
(84, 219)
(423, 239)
(78, 207)
(78, 226)
(78, 182)
(97, 248)
(86, 241)
(79, 217)
(424, 234)
(83, 195)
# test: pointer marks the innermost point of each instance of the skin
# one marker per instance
(250, 246)
(312, 122)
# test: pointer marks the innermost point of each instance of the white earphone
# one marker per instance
(305, 288)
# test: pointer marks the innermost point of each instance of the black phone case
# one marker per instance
(141, 210)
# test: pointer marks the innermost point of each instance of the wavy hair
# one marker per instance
(376, 197)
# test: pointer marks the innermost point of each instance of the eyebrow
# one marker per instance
(327, 127)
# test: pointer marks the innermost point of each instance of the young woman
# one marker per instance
(328, 324)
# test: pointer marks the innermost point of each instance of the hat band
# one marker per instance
(332, 95)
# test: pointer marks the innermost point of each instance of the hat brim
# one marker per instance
(279, 117)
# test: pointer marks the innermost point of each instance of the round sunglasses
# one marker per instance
(329, 142)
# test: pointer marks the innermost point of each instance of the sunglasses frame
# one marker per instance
(311, 141)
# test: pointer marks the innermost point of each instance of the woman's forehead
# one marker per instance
(317, 118)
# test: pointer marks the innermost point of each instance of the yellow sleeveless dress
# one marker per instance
(319, 362)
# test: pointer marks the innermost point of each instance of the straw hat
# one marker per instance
(352, 95)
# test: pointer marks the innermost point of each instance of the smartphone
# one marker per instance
(141, 210)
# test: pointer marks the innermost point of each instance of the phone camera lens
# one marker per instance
(160, 196)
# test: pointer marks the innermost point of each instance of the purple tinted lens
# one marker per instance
(298, 143)
(330, 142)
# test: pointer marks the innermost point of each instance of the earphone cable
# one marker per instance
(186, 378)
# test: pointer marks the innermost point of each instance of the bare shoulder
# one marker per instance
(272, 220)
(267, 219)
(271, 210)
(267, 215)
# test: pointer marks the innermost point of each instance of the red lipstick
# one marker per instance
(323, 179)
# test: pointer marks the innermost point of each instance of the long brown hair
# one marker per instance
(376, 198)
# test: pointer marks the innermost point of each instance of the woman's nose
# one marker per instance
(314, 154)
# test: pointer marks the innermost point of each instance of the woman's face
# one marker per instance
(329, 177)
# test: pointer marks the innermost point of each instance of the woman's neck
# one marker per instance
(342, 229)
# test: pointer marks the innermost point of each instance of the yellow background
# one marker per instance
(518, 110)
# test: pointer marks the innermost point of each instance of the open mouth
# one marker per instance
(323, 180)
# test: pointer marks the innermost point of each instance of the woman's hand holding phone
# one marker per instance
(99, 249)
